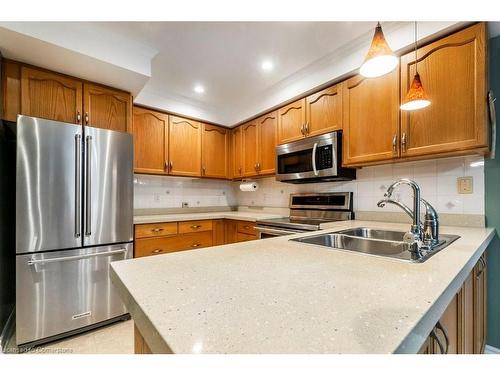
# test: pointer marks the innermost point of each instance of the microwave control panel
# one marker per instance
(324, 157)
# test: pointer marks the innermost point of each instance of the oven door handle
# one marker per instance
(278, 232)
(315, 147)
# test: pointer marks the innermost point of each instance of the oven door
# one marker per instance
(308, 158)
(269, 232)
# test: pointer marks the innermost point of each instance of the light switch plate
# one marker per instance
(465, 185)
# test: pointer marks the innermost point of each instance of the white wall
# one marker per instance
(170, 192)
(437, 179)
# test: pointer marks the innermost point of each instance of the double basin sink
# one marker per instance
(384, 243)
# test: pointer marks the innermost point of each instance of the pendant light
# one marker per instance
(416, 98)
(380, 59)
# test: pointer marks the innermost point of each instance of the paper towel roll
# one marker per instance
(249, 186)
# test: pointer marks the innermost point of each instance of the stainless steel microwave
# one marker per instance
(314, 159)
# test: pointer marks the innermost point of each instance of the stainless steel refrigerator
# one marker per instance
(74, 215)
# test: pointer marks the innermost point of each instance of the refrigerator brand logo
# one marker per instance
(81, 315)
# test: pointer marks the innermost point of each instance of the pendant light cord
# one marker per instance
(416, 59)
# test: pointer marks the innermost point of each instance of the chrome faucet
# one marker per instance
(420, 235)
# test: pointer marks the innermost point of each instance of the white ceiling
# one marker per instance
(160, 62)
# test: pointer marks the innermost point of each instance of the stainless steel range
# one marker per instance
(307, 213)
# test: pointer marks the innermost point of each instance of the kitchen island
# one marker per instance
(281, 296)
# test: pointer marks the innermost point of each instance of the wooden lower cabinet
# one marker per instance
(140, 345)
(462, 327)
(163, 238)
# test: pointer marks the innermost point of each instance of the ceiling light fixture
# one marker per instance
(267, 65)
(415, 98)
(199, 89)
(380, 59)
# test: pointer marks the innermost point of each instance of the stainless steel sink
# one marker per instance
(376, 234)
(375, 242)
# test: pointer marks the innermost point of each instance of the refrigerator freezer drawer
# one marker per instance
(61, 291)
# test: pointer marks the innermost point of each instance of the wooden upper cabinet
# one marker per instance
(107, 108)
(291, 121)
(11, 90)
(250, 147)
(237, 152)
(184, 147)
(453, 74)
(50, 95)
(324, 111)
(215, 151)
(371, 119)
(150, 131)
(266, 127)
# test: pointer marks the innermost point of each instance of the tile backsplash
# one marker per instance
(170, 192)
(437, 180)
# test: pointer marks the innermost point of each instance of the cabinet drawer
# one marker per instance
(195, 226)
(155, 230)
(246, 227)
(164, 245)
(241, 237)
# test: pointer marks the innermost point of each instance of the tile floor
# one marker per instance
(117, 338)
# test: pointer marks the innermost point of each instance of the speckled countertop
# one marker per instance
(279, 296)
(235, 215)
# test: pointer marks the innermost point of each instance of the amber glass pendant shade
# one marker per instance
(416, 98)
(380, 59)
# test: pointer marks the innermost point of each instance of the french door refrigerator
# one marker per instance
(74, 215)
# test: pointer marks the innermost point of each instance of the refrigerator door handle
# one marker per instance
(88, 186)
(78, 173)
(33, 261)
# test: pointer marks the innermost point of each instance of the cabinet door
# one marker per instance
(371, 119)
(249, 141)
(324, 111)
(184, 147)
(219, 232)
(480, 289)
(291, 121)
(11, 90)
(106, 108)
(231, 229)
(267, 143)
(237, 148)
(50, 95)
(450, 322)
(150, 130)
(453, 73)
(214, 150)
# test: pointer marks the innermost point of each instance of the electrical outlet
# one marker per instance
(185, 204)
(465, 185)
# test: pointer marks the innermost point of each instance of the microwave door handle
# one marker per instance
(314, 159)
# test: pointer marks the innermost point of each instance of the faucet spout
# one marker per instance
(416, 201)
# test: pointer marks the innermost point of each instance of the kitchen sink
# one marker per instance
(375, 242)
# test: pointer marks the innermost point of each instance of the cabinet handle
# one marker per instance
(403, 142)
(302, 130)
(170, 166)
(166, 165)
(255, 167)
(483, 267)
(395, 143)
(196, 245)
(239, 171)
(156, 230)
(78, 117)
(306, 128)
(157, 251)
(246, 227)
(203, 171)
(86, 118)
(195, 226)
(440, 327)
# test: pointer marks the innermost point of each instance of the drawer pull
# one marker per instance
(156, 230)
(195, 226)
(196, 245)
(157, 251)
(246, 227)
